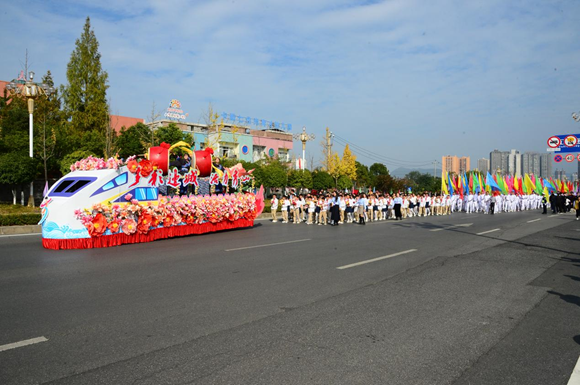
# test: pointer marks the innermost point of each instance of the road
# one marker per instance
(462, 299)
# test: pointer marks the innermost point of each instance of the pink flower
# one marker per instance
(129, 226)
(128, 197)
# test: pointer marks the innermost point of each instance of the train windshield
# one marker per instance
(70, 186)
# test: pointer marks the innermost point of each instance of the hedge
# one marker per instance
(19, 219)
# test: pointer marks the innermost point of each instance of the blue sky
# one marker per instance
(408, 80)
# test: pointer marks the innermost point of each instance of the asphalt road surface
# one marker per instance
(462, 299)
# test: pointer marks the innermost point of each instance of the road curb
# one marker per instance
(15, 230)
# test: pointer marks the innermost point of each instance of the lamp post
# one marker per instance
(304, 137)
(576, 117)
(30, 91)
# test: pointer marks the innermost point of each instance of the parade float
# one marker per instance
(103, 203)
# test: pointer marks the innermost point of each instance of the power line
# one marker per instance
(393, 160)
(357, 150)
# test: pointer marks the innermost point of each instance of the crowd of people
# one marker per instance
(338, 208)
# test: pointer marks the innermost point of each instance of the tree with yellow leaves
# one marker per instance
(348, 164)
(335, 167)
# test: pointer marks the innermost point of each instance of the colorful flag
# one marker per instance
(450, 183)
(444, 189)
(492, 183)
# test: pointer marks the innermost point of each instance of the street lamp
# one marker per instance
(30, 91)
(576, 117)
(304, 137)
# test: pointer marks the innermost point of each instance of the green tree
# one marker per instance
(273, 174)
(85, 95)
(363, 177)
(69, 159)
(171, 134)
(49, 130)
(17, 169)
(130, 140)
(13, 125)
(300, 179)
(344, 182)
(321, 180)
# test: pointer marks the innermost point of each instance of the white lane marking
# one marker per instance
(19, 235)
(375, 259)
(575, 377)
(269, 244)
(555, 215)
(452, 227)
(489, 231)
(22, 343)
(535, 220)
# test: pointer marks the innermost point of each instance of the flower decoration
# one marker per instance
(146, 167)
(93, 163)
(134, 216)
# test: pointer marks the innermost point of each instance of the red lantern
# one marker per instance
(202, 160)
(159, 157)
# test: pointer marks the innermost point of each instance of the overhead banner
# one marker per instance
(564, 143)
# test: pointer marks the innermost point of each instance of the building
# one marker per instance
(546, 165)
(237, 142)
(531, 163)
(560, 174)
(464, 164)
(515, 163)
(117, 122)
(499, 161)
(483, 165)
(450, 164)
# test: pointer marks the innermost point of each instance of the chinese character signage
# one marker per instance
(246, 120)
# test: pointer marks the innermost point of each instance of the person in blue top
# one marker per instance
(398, 202)
(362, 204)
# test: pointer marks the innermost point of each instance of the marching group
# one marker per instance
(338, 208)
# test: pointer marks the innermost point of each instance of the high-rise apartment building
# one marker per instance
(450, 164)
(499, 161)
(546, 165)
(483, 165)
(454, 164)
(531, 163)
(464, 164)
(515, 163)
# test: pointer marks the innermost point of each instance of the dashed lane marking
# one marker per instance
(22, 343)
(452, 227)
(269, 244)
(375, 259)
(488, 231)
(535, 220)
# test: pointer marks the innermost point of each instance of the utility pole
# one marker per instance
(328, 148)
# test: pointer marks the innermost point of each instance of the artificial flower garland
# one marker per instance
(140, 217)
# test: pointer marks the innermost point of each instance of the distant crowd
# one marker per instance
(337, 208)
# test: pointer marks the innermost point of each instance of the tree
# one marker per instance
(300, 179)
(85, 95)
(69, 159)
(272, 174)
(49, 128)
(321, 180)
(171, 134)
(344, 182)
(130, 140)
(348, 164)
(17, 169)
(363, 178)
(336, 168)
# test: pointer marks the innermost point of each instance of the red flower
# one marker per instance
(144, 223)
(146, 167)
(114, 226)
(155, 221)
(132, 166)
(99, 225)
(168, 221)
